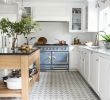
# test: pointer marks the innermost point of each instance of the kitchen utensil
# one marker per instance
(13, 83)
(42, 40)
(89, 43)
(63, 42)
(4, 79)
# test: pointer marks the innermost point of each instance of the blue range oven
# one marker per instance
(54, 57)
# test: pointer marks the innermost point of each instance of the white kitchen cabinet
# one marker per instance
(9, 11)
(104, 78)
(77, 19)
(92, 16)
(73, 58)
(82, 66)
(81, 61)
(84, 60)
(95, 68)
(94, 65)
(86, 64)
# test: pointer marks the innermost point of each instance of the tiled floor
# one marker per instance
(61, 86)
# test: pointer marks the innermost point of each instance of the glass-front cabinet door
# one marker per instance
(76, 18)
(77, 21)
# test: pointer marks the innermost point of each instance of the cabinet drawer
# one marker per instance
(45, 67)
(65, 67)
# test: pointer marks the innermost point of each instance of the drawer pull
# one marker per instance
(97, 59)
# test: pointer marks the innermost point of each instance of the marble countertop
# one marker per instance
(101, 50)
(9, 51)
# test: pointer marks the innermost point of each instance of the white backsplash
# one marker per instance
(57, 30)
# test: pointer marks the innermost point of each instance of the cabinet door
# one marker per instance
(104, 78)
(86, 64)
(45, 58)
(60, 58)
(94, 62)
(76, 20)
(82, 64)
(73, 58)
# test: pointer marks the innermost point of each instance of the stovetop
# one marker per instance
(51, 45)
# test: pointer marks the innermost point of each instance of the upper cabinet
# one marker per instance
(75, 23)
(77, 19)
(9, 11)
(92, 16)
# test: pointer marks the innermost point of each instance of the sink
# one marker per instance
(94, 47)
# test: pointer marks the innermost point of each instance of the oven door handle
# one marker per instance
(49, 57)
(54, 57)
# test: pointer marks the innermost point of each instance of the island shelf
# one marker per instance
(19, 60)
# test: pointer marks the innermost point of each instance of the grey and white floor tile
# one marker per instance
(60, 86)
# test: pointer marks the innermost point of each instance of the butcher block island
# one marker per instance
(18, 59)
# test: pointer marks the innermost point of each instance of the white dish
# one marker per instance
(13, 83)
(89, 43)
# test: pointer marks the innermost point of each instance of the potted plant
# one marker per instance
(28, 27)
(106, 40)
(4, 28)
(13, 29)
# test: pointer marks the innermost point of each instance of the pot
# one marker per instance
(107, 45)
(13, 83)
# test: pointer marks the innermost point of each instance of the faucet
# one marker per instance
(97, 38)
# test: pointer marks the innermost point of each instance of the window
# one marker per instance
(104, 21)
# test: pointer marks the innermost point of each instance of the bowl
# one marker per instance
(89, 43)
(13, 83)
(107, 45)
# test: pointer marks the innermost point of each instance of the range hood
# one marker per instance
(52, 19)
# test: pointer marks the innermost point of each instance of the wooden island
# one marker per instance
(17, 59)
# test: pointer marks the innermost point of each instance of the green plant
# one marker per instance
(4, 25)
(106, 37)
(24, 26)
(28, 25)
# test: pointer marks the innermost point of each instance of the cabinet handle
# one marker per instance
(97, 59)
(49, 57)
(54, 57)
(49, 62)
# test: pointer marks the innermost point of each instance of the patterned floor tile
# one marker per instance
(60, 86)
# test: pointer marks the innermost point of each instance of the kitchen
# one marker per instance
(72, 63)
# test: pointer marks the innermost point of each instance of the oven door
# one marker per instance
(60, 58)
(45, 60)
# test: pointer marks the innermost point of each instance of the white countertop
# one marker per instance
(101, 50)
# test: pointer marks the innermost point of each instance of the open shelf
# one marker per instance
(35, 78)
(4, 92)
(24, 61)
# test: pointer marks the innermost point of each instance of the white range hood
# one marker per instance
(57, 18)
